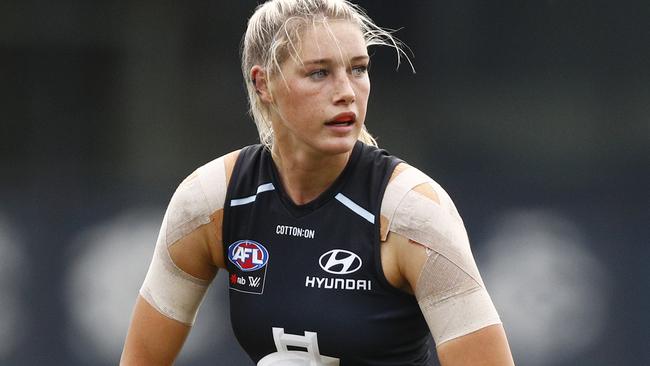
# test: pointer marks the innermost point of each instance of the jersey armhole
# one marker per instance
(231, 160)
(382, 232)
(218, 199)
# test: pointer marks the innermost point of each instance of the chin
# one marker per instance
(337, 146)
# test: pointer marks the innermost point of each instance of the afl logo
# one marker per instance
(340, 261)
(248, 255)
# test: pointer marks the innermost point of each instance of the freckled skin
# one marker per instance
(309, 155)
(315, 93)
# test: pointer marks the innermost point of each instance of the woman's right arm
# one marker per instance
(187, 256)
(154, 338)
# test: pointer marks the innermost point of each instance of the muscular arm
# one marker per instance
(426, 252)
(153, 338)
(187, 256)
(487, 346)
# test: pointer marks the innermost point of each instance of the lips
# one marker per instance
(343, 119)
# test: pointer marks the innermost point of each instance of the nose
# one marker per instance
(344, 92)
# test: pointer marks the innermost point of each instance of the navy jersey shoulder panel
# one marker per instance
(368, 180)
(247, 172)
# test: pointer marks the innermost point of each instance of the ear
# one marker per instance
(260, 81)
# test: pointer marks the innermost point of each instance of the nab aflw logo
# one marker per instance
(339, 261)
(251, 260)
(248, 255)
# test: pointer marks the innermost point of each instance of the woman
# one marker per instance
(332, 245)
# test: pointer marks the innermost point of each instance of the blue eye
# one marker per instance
(359, 70)
(318, 74)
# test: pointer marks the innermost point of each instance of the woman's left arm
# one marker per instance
(486, 346)
(427, 253)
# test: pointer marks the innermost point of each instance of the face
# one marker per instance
(319, 106)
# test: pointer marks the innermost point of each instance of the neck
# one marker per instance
(305, 176)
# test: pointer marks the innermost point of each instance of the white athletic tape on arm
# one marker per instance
(450, 290)
(170, 290)
(428, 223)
(452, 303)
(213, 183)
(397, 189)
(173, 292)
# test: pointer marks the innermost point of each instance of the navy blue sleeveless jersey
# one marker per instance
(317, 267)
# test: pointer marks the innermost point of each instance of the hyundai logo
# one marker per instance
(340, 261)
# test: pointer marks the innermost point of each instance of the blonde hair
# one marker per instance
(272, 35)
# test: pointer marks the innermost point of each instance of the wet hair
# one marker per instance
(273, 33)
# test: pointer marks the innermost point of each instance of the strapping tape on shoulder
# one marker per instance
(173, 292)
(170, 290)
(436, 225)
(452, 303)
(450, 291)
(395, 192)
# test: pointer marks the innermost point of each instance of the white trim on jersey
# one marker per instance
(246, 200)
(356, 208)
